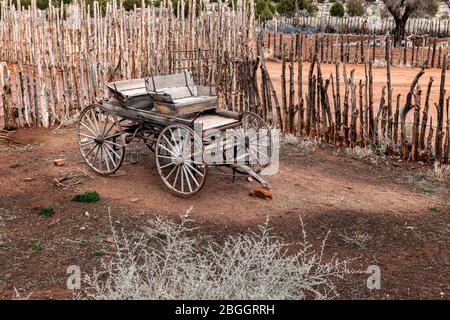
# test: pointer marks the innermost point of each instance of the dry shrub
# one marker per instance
(377, 63)
(303, 145)
(358, 239)
(360, 153)
(66, 124)
(167, 261)
(440, 173)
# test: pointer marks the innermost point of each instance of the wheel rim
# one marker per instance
(100, 140)
(179, 159)
(253, 142)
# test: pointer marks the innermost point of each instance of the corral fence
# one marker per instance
(356, 25)
(54, 63)
(414, 51)
(58, 61)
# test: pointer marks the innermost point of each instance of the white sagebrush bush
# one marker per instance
(360, 153)
(168, 262)
(303, 145)
(440, 172)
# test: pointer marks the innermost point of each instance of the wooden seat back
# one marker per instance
(154, 83)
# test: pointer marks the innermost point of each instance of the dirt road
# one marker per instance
(400, 207)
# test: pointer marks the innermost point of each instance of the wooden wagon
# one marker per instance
(179, 121)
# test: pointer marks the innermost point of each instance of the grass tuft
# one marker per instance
(46, 212)
(90, 196)
(435, 209)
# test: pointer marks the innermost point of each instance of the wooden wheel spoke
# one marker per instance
(90, 130)
(115, 135)
(96, 155)
(87, 143)
(87, 155)
(110, 128)
(182, 180)
(177, 145)
(88, 117)
(259, 152)
(192, 176)
(86, 135)
(101, 158)
(113, 143)
(167, 165)
(170, 173)
(176, 177)
(113, 151)
(95, 120)
(106, 123)
(193, 168)
(171, 145)
(106, 158)
(168, 150)
(187, 178)
(164, 157)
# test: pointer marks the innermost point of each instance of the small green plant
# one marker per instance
(83, 242)
(355, 8)
(46, 212)
(435, 209)
(98, 253)
(160, 236)
(337, 10)
(428, 190)
(36, 247)
(90, 196)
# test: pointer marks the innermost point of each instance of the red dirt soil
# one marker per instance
(405, 212)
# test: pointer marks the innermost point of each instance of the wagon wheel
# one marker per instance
(100, 139)
(253, 142)
(179, 159)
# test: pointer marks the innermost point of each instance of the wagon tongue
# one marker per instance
(253, 174)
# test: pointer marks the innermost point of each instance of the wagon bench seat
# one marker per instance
(186, 105)
(131, 93)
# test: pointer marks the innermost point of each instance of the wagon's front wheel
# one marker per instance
(179, 159)
(100, 139)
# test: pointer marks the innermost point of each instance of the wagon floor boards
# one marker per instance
(212, 121)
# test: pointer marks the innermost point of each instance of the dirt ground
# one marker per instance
(399, 210)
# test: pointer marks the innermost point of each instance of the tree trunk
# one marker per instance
(400, 30)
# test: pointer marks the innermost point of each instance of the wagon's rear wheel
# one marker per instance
(179, 159)
(253, 142)
(100, 139)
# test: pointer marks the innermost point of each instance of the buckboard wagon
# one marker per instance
(178, 121)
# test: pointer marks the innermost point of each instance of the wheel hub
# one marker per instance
(99, 140)
(178, 160)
